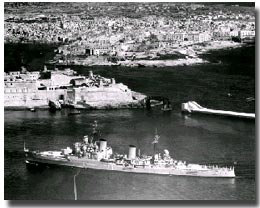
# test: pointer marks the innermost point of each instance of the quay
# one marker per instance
(192, 107)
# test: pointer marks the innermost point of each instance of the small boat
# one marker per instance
(156, 103)
(54, 105)
(32, 109)
(166, 108)
(140, 65)
(77, 112)
(250, 99)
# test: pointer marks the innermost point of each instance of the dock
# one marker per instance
(193, 106)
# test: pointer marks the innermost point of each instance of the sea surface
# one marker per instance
(224, 83)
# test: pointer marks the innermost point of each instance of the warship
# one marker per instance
(94, 153)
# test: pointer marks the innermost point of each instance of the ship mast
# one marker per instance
(24, 148)
(155, 141)
(95, 132)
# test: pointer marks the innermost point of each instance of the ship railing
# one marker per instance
(216, 167)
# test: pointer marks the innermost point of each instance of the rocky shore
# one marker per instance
(215, 45)
(163, 63)
(185, 54)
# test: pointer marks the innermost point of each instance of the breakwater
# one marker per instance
(193, 107)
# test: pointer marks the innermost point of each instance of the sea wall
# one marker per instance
(98, 97)
(39, 98)
(117, 96)
(193, 107)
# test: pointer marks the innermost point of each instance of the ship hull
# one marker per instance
(94, 164)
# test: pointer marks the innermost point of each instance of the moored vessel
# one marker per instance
(54, 105)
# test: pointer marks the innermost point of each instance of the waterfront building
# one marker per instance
(234, 33)
(246, 34)
(175, 37)
(193, 36)
(204, 37)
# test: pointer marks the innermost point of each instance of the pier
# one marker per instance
(192, 106)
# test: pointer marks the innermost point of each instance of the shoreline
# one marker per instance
(191, 53)
(163, 63)
(185, 54)
(79, 107)
(128, 105)
(216, 45)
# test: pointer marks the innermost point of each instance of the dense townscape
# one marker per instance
(110, 32)
(127, 34)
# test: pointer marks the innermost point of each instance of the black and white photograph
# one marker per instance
(130, 101)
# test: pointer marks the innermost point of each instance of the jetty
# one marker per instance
(192, 107)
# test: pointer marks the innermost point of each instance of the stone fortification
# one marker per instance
(22, 90)
(114, 96)
(39, 98)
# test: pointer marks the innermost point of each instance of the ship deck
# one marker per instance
(74, 161)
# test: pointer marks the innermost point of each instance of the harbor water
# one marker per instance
(222, 84)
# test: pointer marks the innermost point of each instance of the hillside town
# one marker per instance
(114, 33)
